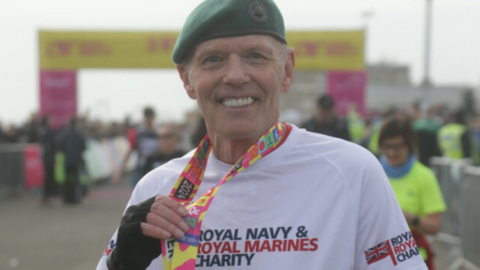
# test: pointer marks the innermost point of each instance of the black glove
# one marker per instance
(134, 251)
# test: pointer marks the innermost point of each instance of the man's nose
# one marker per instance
(235, 72)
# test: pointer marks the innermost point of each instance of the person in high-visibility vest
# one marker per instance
(454, 138)
(415, 185)
(356, 124)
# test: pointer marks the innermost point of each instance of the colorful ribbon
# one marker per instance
(181, 254)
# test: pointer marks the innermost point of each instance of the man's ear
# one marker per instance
(289, 71)
(184, 76)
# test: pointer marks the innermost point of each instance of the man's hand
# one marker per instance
(165, 219)
(141, 228)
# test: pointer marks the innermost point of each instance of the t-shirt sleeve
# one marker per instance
(137, 197)
(432, 198)
(102, 264)
(383, 239)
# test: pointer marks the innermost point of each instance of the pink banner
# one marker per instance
(347, 89)
(58, 95)
(33, 166)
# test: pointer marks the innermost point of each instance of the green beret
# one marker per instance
(228, 18)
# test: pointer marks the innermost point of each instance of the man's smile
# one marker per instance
(237, 102)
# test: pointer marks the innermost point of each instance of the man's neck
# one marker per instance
(231, 150)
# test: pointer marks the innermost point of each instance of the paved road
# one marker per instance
(69, 237)
(59, 237)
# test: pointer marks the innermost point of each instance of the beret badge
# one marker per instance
(257, 11)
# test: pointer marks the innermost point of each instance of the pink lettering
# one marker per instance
(340, 49)
(90, 48)
(160, 44)
(59, 48)
(309, 48)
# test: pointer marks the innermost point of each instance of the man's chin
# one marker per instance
(237, 132)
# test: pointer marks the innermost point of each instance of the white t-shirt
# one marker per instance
(314, 203)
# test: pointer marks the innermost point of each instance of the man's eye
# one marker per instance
(212, 59)
(254, 55)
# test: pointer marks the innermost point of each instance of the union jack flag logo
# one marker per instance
(379, 252)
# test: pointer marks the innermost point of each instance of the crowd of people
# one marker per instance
(63, 148)
(28, 132)
(439, 130)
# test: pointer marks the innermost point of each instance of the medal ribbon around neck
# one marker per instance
(181, 254)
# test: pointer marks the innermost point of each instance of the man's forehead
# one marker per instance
(249, 42)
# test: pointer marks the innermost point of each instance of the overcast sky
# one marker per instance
(396, 34)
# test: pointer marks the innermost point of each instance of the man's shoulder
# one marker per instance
(327, 146)
(339, 153)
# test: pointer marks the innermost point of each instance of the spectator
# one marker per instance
(325, 120)
(11, 135)
(72, 144)
(168, 141)
(356, 124)
(454, 138)
(32, 129)
(143, 139)
(426, 129)
(48, 144)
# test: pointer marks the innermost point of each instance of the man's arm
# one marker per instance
(136, 243)
(381, 223)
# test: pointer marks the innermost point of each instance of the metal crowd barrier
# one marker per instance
(443, 169)
(11, 165)
(460, 185)
(12, 172)
(470, 216)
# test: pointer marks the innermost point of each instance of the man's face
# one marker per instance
(148, 120)
(325, 116)
(237, 82)
(167, 140)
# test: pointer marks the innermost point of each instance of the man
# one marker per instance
(72, 144)
(454, 138)
(325, 120)
(143, 140)
(48, 143)
(426, 129)
(168, 141)
(294, 199)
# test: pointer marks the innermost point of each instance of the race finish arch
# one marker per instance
(62, 53)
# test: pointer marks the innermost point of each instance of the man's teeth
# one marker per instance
(241, 102)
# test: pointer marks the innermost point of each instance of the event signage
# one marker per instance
(347, 88)
(314, 50)
(58, 95)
